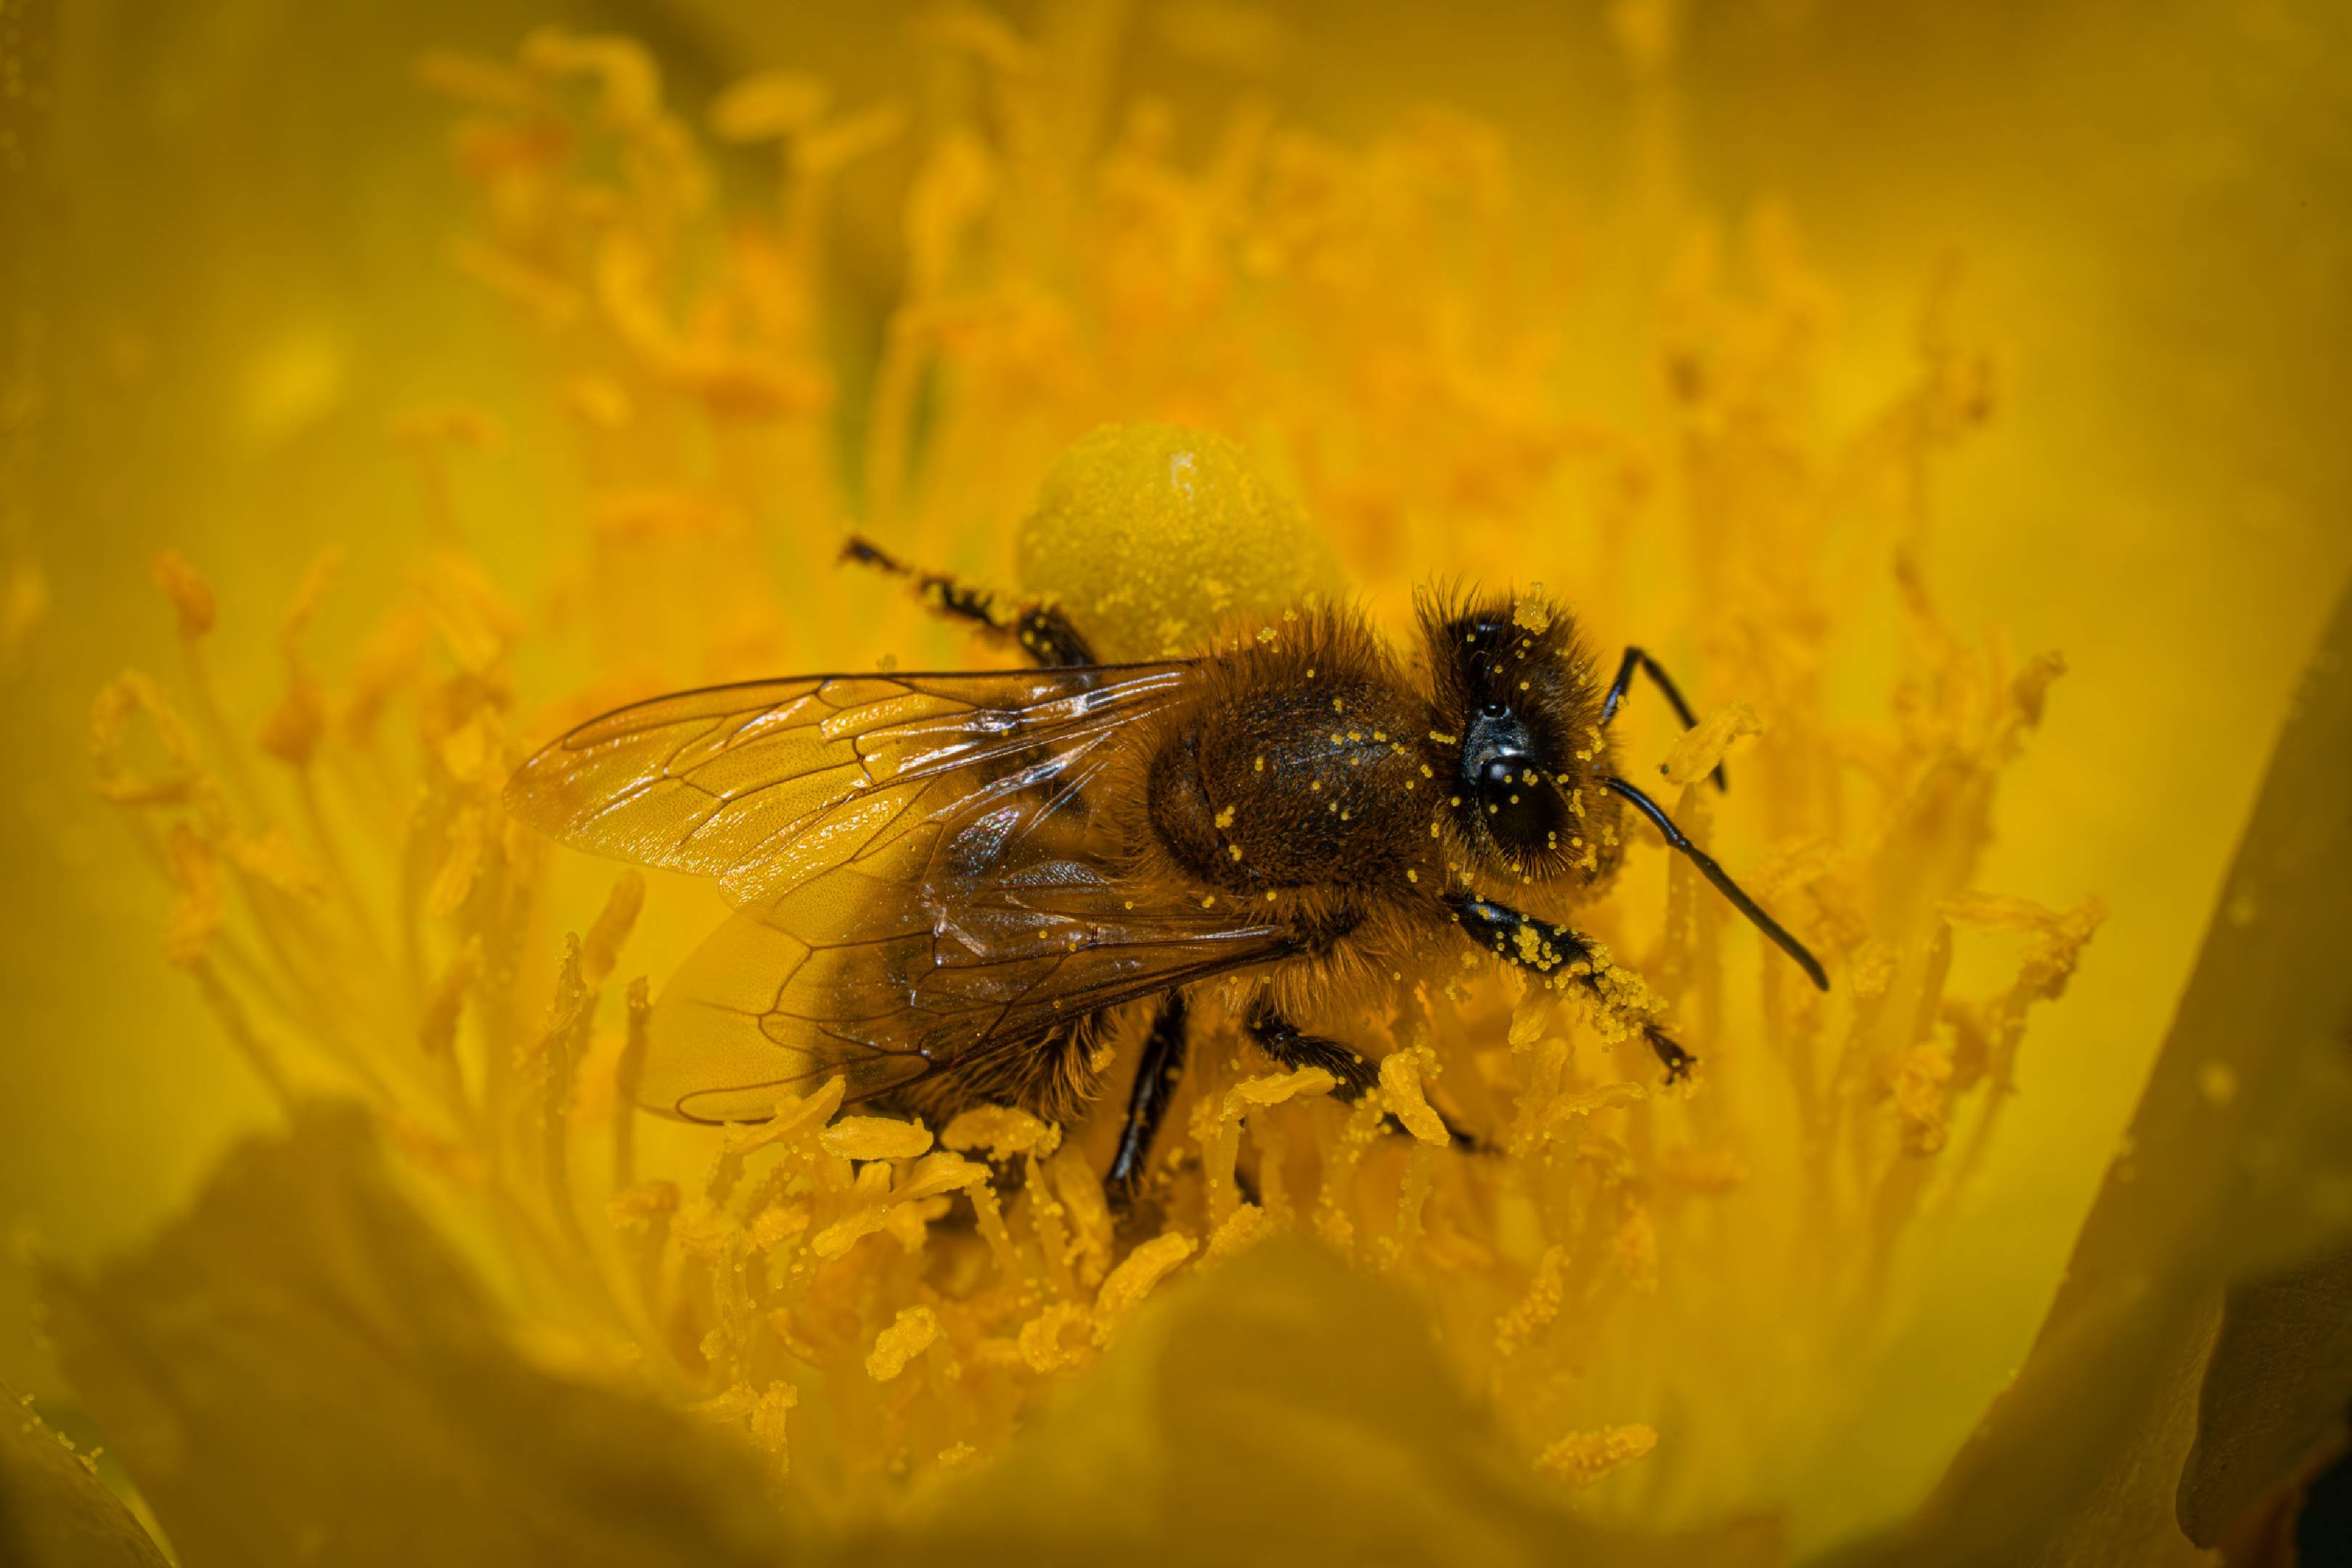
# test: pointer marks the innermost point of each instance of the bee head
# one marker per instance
(1516, 734)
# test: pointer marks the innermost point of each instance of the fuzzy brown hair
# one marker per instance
(1514, 669)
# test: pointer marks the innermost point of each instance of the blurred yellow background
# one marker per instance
(226, 272)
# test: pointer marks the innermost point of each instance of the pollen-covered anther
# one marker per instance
(1581, 1458)
(1001, 1129)
(1635, 1247)
(912, 1332)
(1402, 1077)
(191, 596)
(1057, 1338)
(876, 1138)
(1135, 1278)
(202, 906)
(1535, 1309)
(1702, 748)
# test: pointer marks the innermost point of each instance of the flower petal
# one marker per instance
(53, 1508)
(2239, 1162)
(1281, 1408)
(299, 1370)
(2275, 1395)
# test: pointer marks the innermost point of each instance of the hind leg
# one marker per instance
(1165, 1048)
(1040, 631)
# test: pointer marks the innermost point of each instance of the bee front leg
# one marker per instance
(1639, 658)
(1041, 631)
(1554, 951)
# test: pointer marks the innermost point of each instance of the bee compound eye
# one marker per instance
(1514, 808)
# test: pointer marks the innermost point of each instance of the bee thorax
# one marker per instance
(1281, 788)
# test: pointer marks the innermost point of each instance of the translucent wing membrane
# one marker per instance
(848, 974)
(922, 886)
(770, 781)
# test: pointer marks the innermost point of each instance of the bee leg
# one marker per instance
(1283, 1040)
(1156, 1077)
(1559, 955)
(1041, 631)
(1278, 1037)
(1639, 658)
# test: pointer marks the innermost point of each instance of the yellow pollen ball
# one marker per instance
(1152, 534)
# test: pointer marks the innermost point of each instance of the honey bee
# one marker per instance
(947, 887)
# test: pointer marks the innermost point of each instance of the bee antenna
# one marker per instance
(1722, 881)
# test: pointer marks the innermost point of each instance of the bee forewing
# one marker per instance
(769, 782)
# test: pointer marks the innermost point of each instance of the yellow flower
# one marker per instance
(1176, 362)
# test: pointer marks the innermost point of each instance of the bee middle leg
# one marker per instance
(1039, 630)
(1292, 1047)
(1278, 1037)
